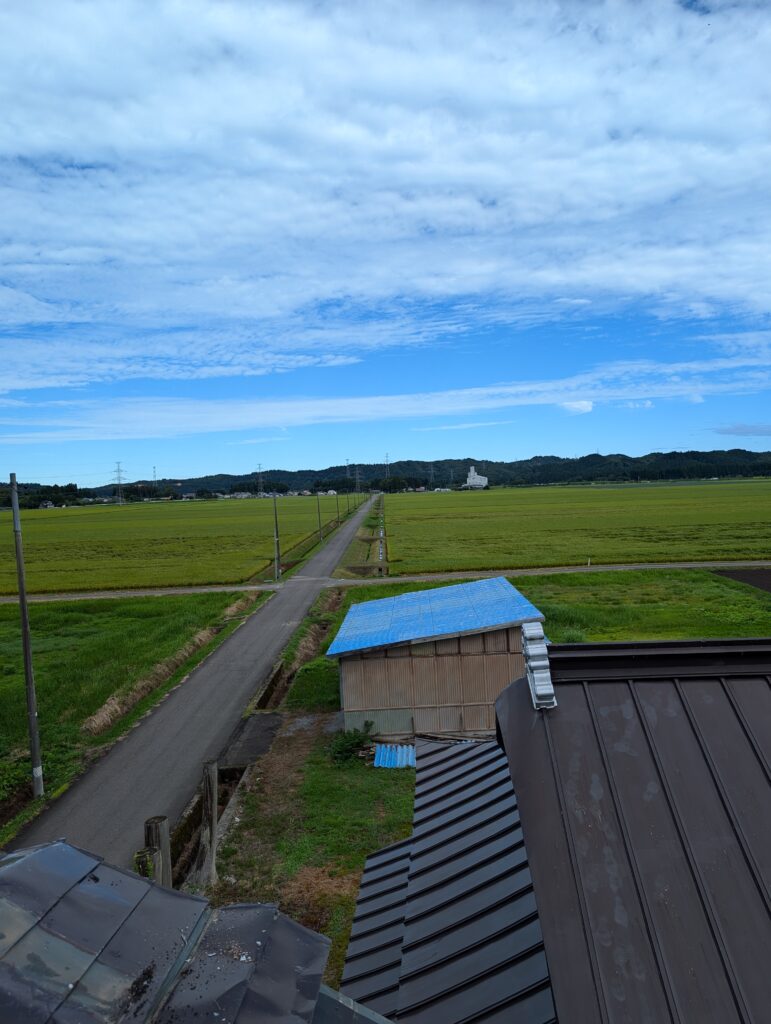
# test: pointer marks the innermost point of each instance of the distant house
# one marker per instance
(432, 661)
(474, 481)
(608, 859)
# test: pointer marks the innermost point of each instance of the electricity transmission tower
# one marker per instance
(259, 478)
(118, 481)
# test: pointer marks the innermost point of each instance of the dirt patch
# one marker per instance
(119, 704)
(760, 578)
(309, 646)
(313, 894)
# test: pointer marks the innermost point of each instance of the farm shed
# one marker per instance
(433, 661)
(608, 859)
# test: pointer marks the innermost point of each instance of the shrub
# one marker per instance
(346, 745)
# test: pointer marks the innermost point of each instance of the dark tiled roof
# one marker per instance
(646, 806)
(85, 943)
(446, 927)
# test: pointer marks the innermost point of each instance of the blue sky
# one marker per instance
(293, 234)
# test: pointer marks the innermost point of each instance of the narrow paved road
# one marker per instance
(156, 767)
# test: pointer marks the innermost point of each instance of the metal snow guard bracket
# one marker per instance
(537, 662)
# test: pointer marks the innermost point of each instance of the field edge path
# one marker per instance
(426, 577)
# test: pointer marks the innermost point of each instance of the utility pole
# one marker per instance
(119, 481)
(259, 479)
(155, 483)
(276, 545)
(318, 512)
(26, 642)
(337, 506)
(431, 476)
(357, 479)
(347, 470)
(388, 468)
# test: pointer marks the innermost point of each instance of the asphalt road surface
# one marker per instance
(156, 767)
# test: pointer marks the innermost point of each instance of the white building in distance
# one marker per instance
(474, 480)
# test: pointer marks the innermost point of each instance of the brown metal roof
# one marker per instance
(645, 799)
(446, 927)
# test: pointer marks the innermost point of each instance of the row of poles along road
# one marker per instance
(29, 675)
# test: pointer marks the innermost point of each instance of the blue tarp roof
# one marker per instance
(430, 614)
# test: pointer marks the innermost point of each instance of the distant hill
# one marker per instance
(541, 469)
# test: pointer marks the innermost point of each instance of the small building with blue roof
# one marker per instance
(432, 661)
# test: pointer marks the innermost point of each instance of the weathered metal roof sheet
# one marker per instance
(446, 927)
(646, 805)
(85, 943)
(474, 607)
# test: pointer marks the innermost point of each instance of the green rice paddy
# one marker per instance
(177, 543)
(543, 526)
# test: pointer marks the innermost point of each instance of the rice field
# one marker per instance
(86, 652)
(177, 543)
(511, 528)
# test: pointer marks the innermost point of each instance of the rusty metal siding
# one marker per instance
(445, 686)
(496, 642)
(398, 691)
(399, 651)
(473, 678)
(496, 676)
(515, 639)
(474, 644)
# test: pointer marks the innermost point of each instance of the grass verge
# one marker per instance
(650, 604)
(305, 829)
(87, 654)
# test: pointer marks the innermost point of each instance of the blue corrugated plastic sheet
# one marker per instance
(394, 755)
(426, 614)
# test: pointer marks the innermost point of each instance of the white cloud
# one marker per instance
(152, 417)
(228, 188)
(464, 426)
(645, 404)
(746, 430)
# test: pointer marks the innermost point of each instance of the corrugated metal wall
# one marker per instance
(442, 686)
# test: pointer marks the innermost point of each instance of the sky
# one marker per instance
(293, 234)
